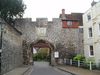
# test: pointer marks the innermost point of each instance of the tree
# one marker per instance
(10, 9)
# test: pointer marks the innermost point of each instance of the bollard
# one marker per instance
(64, 60)
(70, 61)
(90, 65)
(78, 63)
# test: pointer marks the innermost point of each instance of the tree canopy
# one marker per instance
(10, 9)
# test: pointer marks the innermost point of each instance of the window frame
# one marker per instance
(89, 16)
(80, 29)
(90, 54)
(99, 28)
(90, 36)
(69, 23)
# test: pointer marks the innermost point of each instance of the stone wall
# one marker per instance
(65, 40)
(11, 55)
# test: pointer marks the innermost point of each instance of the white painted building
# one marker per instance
(91, 24)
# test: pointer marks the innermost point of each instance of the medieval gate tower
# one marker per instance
(51, 34)
(61, 36)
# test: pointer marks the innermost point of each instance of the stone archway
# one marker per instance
(43, 43)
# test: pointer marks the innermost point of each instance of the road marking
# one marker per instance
(60, 71)
(30, 72)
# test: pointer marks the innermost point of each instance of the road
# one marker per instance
(43, 68)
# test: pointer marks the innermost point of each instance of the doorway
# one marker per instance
(43, 51)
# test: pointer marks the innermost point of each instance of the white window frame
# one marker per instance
(90, 52)
(56, 54)
(81, 29)
(88, 16)
(90, 33)
(69, 23)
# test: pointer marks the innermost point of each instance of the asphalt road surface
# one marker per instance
(43, 68)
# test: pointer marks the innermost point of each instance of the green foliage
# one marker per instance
(79, 57)
(42, 55)
(36, 57)
(39, 57)
(48, 57)
(86, 63)
(43, 50)
(90, 59)
(9, 9)
(72, 55)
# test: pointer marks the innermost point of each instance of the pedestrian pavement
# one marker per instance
(70, 69)
(20, 71)
(78, 71)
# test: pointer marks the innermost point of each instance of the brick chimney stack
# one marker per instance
(63, 15)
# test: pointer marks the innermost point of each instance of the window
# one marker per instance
(89, 16)
(41, 31)
(90, 32)
(81, 29)
(99, 28)
(91, 52)
(69, 22)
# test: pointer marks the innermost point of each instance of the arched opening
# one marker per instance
(42, 51)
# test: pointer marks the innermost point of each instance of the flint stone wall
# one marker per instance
(11, 55)
(65, 40)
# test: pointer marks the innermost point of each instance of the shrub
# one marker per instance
(79, 57)
(90, 59)
(86, 63)
(40, 57)
(39, 60)
(48, 57)
(72, 55)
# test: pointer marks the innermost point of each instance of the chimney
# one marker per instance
(63, 15)
(93, 3)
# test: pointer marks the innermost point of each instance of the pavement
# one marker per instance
(78, 71)
(24, 70)
(20, 71)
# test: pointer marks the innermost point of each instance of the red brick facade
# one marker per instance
(75, 18)
(74, 24)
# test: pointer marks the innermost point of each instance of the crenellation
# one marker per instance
(63, 40)
(58, 36)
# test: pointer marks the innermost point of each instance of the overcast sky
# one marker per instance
(52, 8)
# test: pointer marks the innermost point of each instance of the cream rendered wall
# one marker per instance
(94, 23)
(97, 38)
(87, 41)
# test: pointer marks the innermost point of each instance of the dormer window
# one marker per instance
(69, 22)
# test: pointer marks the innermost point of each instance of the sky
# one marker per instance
(53, 8)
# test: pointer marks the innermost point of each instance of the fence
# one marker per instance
(79, 63)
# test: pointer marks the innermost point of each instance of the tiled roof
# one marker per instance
(74, 16)
(71, 17)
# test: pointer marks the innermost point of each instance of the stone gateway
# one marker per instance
(61, 35)
(62, 40)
